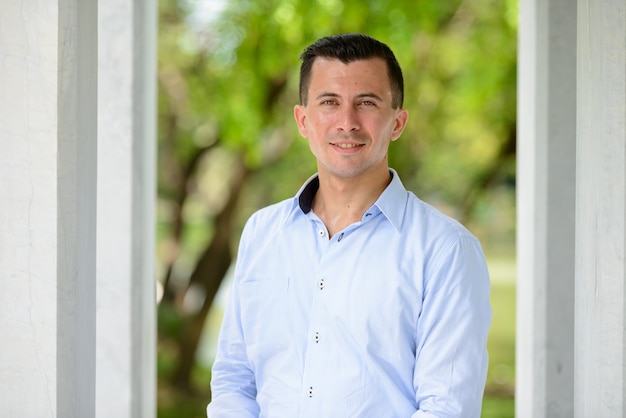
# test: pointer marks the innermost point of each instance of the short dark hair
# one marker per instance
(348, 48)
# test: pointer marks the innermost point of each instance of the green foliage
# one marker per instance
(459, 60)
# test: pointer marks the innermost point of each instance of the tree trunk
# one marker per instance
(208, 274)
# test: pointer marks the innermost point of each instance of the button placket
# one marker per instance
(315, 350)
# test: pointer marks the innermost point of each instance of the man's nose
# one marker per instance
(348, 120)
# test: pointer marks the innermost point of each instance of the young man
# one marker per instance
(354, 298)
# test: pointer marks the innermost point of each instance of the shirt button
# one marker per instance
(321, 284)
(310, 392)
(340, 237)
(321, 232)
(317, 337)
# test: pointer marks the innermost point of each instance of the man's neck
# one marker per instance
(340, 202)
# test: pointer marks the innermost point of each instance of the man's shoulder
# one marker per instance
(423, 215)
(279, 211)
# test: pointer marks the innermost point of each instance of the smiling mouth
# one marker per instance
(347, 146)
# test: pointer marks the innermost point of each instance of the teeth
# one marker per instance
(346, 146)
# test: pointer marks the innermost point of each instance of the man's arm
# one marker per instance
(233, 384)
(451, 355)
(233, 388)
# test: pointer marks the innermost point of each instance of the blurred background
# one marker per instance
(228, 145)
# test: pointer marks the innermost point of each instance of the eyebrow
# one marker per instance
(359, 96)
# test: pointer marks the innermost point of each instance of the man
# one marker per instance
(354, 298)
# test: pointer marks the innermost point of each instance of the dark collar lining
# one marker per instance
(305, 200)
(306, 197)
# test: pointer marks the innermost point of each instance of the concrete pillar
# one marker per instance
(76, 220)
(126, 332)
(600, 385)
(76, 173)
(28, 213)
(48, 215)
(546, 159)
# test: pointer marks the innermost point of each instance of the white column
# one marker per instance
(77, 174)
(28, 211)
(546, 158)
(48, 216)
(126, 341)
(600, 389)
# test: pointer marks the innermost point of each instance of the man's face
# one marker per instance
(349, 120)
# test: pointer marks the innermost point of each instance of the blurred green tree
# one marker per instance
(228, 144)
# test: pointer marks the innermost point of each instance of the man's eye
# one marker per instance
(367, 103)
(328, 102)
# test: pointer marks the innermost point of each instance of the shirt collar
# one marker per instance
(391, 202)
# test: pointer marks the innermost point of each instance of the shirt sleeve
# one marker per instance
(451, 333)
(233, 385)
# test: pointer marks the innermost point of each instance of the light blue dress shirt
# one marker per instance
(389, 318)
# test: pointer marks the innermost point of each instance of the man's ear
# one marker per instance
(402, 116)
(299, 115)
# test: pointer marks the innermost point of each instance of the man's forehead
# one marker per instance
(326, 70)
(333, 67)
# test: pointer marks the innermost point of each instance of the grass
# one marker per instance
(499, 401)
